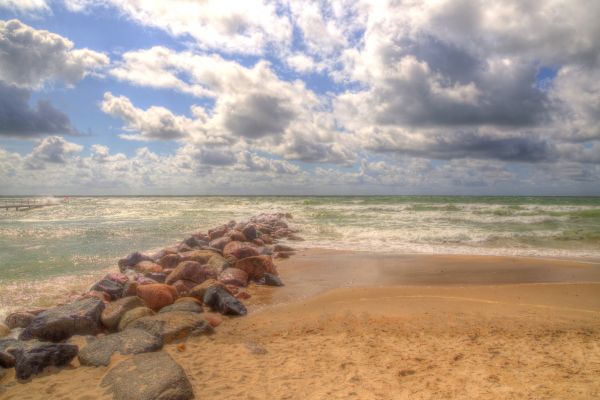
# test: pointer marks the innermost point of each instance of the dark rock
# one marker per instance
(130, 341)
(271, 280)
(234, 276)
(169, 260)
(182, 248)
(218, 262)
(219, 299)
(132, 259)
(193, 241)
(150, 376)
(7, 360)
(240, 250)
(183, 286)
(133, 315)
(185, 306)
(20, 319)
(114, 311)
(250, 232)
(113, 287)
(219, 243)
(283, 247)
(217, 232)
(198, 291)
(171, 326)
(31, 360)
(237, 236)
(81, 317)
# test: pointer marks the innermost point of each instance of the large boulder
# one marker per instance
(113, 312)
(157, 295)
(220, 243)
(191, 271)
(185, 306)
(132, 259)
(169, 261)
(145, 267)
(200, 256)
(250, 232)
(217, 232)
(33, 358)
(81, 317)
(171, 326)
(234, 276)
(112, 284)
(198, 291)
(130, 341)
(149, 376)
(257, 266)
(133, 315)
(218, 262)
(19, 319)
(240, 250)
(219, 299)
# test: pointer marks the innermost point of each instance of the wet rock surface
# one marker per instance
(31, 359)
(171, 326)
(219, 299)
(132, 315)
(151, 376)
(113, 312)
(81, 317)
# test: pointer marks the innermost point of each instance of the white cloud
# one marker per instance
(31, 57)
(25, 6)
(51, 149)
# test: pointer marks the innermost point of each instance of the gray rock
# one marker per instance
(185, 306)
(20, 319)
(7, 360)
(130, 341)
(131, 260)
(171, 326)
(271, 280)
(114, 311)
(81, 317)
(111, 286)
(34, 357)
(132, 315)
(150, 376)
(219, 299)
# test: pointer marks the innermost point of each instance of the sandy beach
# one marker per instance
(366, 326)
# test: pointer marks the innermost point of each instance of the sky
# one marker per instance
(459, 97)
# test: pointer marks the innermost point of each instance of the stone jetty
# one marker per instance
(150, 301)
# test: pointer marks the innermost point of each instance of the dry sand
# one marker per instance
(358, 325)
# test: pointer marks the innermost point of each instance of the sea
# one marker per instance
(50, 253)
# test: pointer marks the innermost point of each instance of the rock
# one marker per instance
(234, 276)
(219, 299)
(258, 242)
(283, 254)
(130, 341)
(81, 317)
(192, 299)
(220, 242)
(295, 238)
(186, 306)
(191, 271)
(218, 262)
(105, 297)
(150, 376)
(250, 232)
(193, 241)
(4, 330)
(213, 319)
(271, 280)
(171, 326)
(133, 315)
(7, 360)
(31, 360)
(158, 277)
(199, 290)
(182, 248)
(169, 260)
(157, 295)
(132, 259)
(240, 250)
(237, 236)
(111, 284)
(266, 239)
(200, 256)
(217, 232)
(183, 286)
(130, 289)
(148, 266)
(257, 266)
(20, 319)
(265, 251)
(282, 247)
(113, 312)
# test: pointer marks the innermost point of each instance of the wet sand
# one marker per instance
(365, 326)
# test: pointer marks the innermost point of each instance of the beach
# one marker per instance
(390, 326)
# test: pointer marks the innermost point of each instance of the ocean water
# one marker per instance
(50, 252)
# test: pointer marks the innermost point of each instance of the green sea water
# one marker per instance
(43, 247)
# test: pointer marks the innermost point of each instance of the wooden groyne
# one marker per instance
(25, 204)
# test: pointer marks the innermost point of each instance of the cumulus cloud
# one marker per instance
(51, 149)
(25, 6)
(31, 57)
(18, 119)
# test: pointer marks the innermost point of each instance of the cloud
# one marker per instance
(51, 149)
(19, 120)
(31, 57)
(246, 27)
(25, 6)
